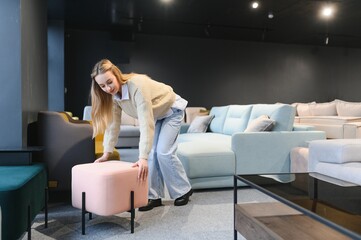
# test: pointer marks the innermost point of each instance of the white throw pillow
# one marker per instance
(200, 124)
(323, 109)
(260, 124)
(348, 109)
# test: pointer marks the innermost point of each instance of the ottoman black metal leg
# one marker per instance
(46, 208)
(29, 223)
(83, 212)
(132, 212)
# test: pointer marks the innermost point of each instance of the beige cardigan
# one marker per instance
(148, 101)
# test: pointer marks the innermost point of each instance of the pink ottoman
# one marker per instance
(107, 188)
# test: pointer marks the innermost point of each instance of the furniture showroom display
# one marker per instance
(305, 208)
(212, 158)
(339, 119)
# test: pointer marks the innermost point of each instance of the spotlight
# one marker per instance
(271, 15)
(327, 12)
(255, 4)
(166, 1)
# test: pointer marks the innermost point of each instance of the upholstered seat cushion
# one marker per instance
(208, 136)
(336, 151)
(108, 187)
(20, 187)
(206, 159)
(332, 120)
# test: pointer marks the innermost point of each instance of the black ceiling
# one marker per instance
(294, 22)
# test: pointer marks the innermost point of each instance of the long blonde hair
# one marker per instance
(102, 102)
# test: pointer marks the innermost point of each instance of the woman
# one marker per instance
(159, 112)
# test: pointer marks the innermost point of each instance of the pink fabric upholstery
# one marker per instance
(107, 186)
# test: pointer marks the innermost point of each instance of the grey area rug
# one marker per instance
(208, 215)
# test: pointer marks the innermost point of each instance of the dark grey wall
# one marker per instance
(82, 50)
(10, 90)
(33, 61)
(56, 65)
(22, 65)
(219, 72)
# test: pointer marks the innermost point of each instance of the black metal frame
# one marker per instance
(84, 211)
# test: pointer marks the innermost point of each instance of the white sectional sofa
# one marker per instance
(339, 119)
(336, 158)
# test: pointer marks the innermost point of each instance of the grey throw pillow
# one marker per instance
(200, 124)
(260, 124)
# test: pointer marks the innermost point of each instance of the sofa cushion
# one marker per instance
(208, 136)
(237, 118)
(303, 109)
(348, 108)
(200, 124)
(283, 114)
(206, 159)
(129, 131)
(219, 114)
(331, 120)
(336, 151)
(323, 109)
(349, 172)
(192, 112)
(260, 124)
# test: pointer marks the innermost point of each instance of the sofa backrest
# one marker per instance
(237, 119)
(283, 114)
(219, 114)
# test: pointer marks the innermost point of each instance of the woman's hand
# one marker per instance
(143, 169)
(102, 158)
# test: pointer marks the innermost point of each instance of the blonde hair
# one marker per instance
(102, 102)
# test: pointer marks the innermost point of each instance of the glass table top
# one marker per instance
(335, 200)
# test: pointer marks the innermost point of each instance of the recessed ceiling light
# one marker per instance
(255, 4)
(327, 12)
(166, 1)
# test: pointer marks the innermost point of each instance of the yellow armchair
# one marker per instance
(99, 150)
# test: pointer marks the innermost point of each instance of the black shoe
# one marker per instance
(152, 203)
(183, 200)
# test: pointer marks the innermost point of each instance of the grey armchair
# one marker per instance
(66, 143)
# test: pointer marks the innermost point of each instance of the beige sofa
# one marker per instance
(339, 119)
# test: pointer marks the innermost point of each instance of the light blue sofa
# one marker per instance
(211, 159)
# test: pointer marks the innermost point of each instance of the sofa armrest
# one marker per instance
(268, 152)
(352, 130)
